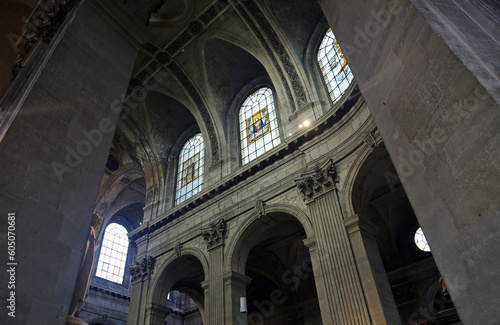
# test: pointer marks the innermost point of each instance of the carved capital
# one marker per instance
(142, 269)
(317, 182)
(214, 233)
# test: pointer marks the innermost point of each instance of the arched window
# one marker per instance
(190, 171)
(258, 125)
(333, 64)
(421, 241)
(113, 256)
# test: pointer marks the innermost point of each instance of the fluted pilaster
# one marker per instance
(214, 236)
(340, 292)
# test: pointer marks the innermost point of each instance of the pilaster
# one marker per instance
(378, 293)
(214, 236)
(340, 293)
(141, 274)
(235, 287)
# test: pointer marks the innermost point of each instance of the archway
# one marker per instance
(409, 286)
(183, 276)
(270, 251)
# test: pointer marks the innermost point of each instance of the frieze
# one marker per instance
(214, 233)
(142, 269)
(317, 182)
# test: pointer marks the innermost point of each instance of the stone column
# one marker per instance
(235, 287)
(141, 275)
(56, 126)
(340, 293)
(214, 289)
(378, 293)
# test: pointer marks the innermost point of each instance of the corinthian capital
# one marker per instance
(318, 181)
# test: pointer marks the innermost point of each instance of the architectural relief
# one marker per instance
(317, 182)
(142, 268)
(214, 233)
(260, 207)
(41, 26)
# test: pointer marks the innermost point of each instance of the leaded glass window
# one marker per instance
(333, 64)
(421, 241)
(258, 125)
(113, 255)
(190, 171)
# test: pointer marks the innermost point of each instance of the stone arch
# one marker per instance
(157, 293)
(348, 182)
(237, 245)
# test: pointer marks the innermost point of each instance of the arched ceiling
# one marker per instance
(229, 68)
(169, 119)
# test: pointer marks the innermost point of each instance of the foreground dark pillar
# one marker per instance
(52, 158)
(436, 107)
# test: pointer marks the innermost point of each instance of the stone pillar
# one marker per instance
(378, 293)
(62, 110)
(214, 289)
(340, 293)
(139, 313)
(235, 287)
(417, 65)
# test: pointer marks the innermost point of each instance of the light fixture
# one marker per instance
(290, 134)
(300, 126)
(306, 123)
(243, 305)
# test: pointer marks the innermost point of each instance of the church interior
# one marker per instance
(261, 162)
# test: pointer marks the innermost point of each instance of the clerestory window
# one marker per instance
(258, 125)
(333, 64)
(113, 255)
(190, 169)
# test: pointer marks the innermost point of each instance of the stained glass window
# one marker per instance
(190, 172)
(333, 64)
(113, 256)
(258, 125)
(420, 240)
